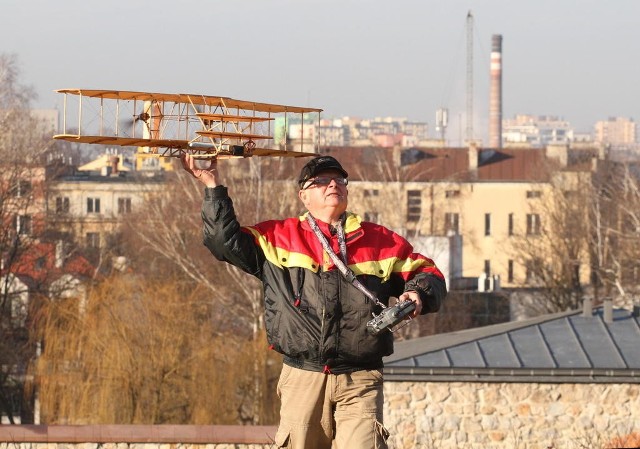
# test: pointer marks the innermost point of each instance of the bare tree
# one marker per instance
(170, 231)
(552, 244)
(170, 228)
(22, 185)
(615, 237)
(582, 238)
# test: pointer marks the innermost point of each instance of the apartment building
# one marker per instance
(22, 196)
(616, 131)
(536, 131)
(89, 206)
(489, 200)
(384, 132)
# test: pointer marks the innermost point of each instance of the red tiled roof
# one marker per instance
(513, 165)
(38, 263)
(443, 164)
(423, 164)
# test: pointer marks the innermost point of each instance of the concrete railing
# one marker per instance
(143, 436)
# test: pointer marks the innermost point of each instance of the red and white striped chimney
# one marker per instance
(495, 100)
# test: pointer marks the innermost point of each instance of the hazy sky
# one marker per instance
(366, 58)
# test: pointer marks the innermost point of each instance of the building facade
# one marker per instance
(384, 132)
(90, 206)
(492, 200)
(616, 131)
(536, 131)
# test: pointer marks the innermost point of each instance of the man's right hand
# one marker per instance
(208, 176)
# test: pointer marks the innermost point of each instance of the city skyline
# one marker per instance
(351, 58)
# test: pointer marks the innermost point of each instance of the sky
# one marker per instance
(577, 60)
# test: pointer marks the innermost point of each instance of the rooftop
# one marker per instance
(443, 164)
(563, 347)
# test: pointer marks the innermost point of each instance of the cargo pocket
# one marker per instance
(381, 436)
(283, 437)
(284, 374)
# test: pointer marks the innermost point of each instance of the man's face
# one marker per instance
(324, 193)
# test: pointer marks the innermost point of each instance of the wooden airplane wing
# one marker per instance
(202, 125)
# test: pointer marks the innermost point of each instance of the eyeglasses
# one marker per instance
(326, 180)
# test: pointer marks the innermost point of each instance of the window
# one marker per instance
(124, 205)
(451, 223)
(534, 271)
(533, 224)
(530, 275)
(93, 240)
(21, 189)
(487, 224)
(18, 309)
(534, 194)
(62, 205)
(486, 274)
(93, 205)
(510, 224)
(371, 216)
(510, 271)
(452, 193)
(371, 192)
(414, 205)
(22, 224)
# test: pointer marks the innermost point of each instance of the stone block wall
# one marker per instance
(459, 415)
(419, 415)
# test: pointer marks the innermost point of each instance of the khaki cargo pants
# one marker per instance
(320, 410)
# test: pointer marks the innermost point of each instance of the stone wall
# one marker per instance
(471, 415)
(419, 415)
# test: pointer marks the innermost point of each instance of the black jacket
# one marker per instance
(313, 315)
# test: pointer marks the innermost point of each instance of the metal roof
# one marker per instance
(563, 347)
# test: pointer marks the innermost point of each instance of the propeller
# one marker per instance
(126, 125)
(143, 116)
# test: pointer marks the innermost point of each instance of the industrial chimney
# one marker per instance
(495, 101)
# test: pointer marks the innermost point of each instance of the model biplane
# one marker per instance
(171, 125)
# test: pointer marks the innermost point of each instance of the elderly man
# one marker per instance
(324, 274)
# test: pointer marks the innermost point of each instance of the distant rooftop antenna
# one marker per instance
(469, 77)
(442, 120)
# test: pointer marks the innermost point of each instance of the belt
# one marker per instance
(332, 366)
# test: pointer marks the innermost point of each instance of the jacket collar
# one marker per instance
(352, 228)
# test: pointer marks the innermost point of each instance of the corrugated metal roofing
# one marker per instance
(555, 344)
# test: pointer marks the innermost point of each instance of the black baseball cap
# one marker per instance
(318, 165)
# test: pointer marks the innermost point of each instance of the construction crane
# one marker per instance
(469, 133)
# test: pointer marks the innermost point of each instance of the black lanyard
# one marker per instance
(341, 264)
